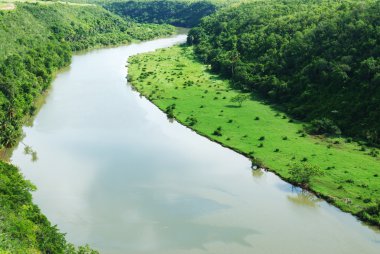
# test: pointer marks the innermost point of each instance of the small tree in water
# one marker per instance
(302, 173)
(240, 98)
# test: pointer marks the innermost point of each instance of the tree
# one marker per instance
(323, 126)
(302, 173)
(240, 98)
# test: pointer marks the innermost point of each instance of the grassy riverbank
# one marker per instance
(178, 84)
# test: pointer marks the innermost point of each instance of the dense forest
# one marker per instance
(178, 13)
(318, 60)
(36, 40)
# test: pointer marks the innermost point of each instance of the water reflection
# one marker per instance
(113, 172)
(28, 150)
(304, 198)
(257, 173)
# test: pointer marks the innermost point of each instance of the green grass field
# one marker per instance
(202, 101)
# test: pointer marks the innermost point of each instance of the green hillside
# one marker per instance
(36, 40)
(178, 13)
(180, 85)
(315, 59)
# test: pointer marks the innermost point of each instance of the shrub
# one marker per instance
(170, 111)
(323, 126)
(257, 162)
(303, 173)
(240, 98)
(191, 121)
(218, 131)
(374, 153)
(371, 214)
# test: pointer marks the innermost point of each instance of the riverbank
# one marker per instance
(27, 77)
(39, 101)
(179, 85)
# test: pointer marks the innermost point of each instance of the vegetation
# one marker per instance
(23, 228)
(315, 59)
(174, 76)
(178, 13)
(323, 126)
(302, 173)
(372, 214)
(36, 40)
(240, 98)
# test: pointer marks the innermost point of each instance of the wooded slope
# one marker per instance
(316, 59)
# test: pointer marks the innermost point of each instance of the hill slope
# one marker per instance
(36, 40)
(178, 13)
(316, 59)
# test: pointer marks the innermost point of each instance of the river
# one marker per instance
(112, 171)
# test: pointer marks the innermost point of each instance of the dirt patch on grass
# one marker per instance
(7, 6)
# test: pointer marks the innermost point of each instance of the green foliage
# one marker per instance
(170, 111)
(371, 214)
(282, 144)
(178, 13)
(323, 126)
(37, 40)
(316, 58)
(191, 121)
(240, 98)
(88, 26)
(303, 173)
(24, 229)
(218, 132)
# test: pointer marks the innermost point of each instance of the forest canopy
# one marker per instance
(177, 13)
(316, 59)
(36, 40)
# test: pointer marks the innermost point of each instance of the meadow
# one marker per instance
(186, 90)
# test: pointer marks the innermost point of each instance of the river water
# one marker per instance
(113, 172)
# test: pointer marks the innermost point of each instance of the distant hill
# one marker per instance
(177, 13)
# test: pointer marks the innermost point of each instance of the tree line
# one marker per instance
(318, 60)
(177, 13)
(37, 40)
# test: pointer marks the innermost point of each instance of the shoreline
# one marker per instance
(39, 101)
(327, 199)
(161, 104)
